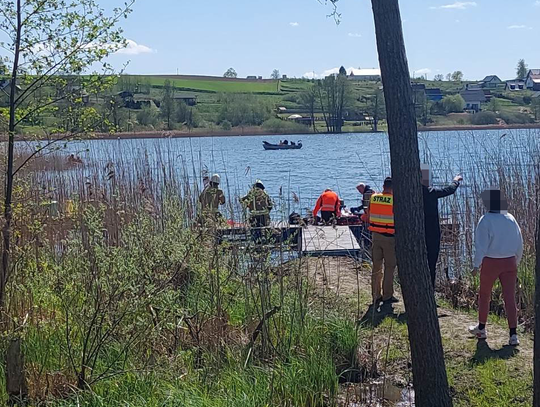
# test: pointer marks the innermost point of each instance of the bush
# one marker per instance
(516, 118)
(453, 104)
(278, 125)
(226, 125)
(291, 98)
(527, 100)
(483, 118)
(243, 110)
(147, 116)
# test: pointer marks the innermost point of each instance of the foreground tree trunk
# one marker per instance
(536, 382)
(8, 215)
(16, 386)
(429, 372)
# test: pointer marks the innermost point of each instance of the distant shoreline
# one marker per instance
(257, 131)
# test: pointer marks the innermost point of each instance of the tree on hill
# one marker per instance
(55, 41)
(275, 74)
(335, 97)
(453, 104)
(457, 76)
(494, 105)
(167, 105)
(448, 77)
(3, 68)
(342, 71)
(375, 107)
(535, 104)
(438, 78)
(308, 100)
(231, 73)
(521, 69)
(428, 365)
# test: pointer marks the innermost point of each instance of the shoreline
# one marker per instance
(257, 131)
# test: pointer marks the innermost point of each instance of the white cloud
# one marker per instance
(294, 24)
(458, 21)
(519, 27)
(423, 71)
(537, 3)
(132, 48)
(355, 35)
(458, 5)
(310, 75)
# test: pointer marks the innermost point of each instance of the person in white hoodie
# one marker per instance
(498, 247)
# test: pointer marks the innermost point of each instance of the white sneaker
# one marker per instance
(479, 333)
(514, 340)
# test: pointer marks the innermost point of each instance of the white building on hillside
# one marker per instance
(371, 74)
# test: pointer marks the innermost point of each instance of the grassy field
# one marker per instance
(217, 86)
(511, 107)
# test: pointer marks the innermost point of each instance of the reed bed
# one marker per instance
(114, 278)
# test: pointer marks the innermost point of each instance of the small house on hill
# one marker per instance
(5, 89)
(472, 86)
(516, 84)
(188, 99)
(473, 99)
(125, 94)
(419, 93)
(435, 94)
(533, 80)
(491, 82)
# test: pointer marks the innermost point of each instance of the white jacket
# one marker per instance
(497, 236)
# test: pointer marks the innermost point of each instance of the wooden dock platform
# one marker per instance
(329, 241)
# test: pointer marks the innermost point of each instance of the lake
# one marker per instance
(337, 161)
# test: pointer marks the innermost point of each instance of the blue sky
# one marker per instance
(479, 37)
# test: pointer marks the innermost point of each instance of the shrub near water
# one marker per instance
(159, 315)
(483, 118)
(278, 125)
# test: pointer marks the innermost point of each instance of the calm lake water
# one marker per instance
(332, 161)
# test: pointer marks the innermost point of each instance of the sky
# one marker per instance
(206, 37)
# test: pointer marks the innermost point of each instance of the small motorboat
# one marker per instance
(288, 146)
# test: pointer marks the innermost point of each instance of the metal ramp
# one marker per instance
(335, 241)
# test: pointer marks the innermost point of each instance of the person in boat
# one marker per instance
(285, 142)
(383, 252)
(431, 196)
(330, 206)
(293, 143)
(498, 245)
(259, 204)
(210, 200)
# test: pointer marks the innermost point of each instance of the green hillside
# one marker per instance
(216, 85)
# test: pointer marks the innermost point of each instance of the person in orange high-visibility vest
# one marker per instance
(329, 205)
(381, 224)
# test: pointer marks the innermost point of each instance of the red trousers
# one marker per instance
(506, 271)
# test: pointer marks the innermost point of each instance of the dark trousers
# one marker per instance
(433, 245)
(257, 222)
(327, 216)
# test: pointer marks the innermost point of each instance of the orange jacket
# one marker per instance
(328, 202)
(381, 214)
